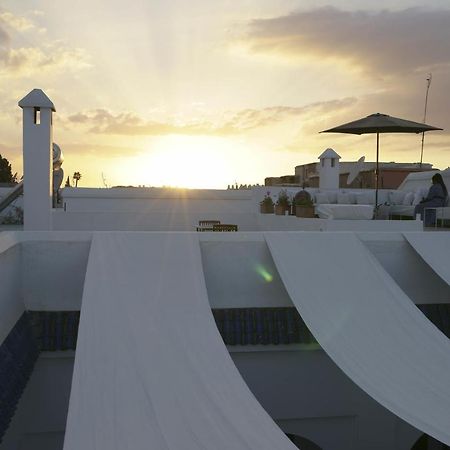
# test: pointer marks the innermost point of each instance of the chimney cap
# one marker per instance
(329, 153)
(36, 99)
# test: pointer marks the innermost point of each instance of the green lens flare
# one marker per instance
(265, 274)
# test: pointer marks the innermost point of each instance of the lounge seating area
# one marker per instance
(344, 205)
(402, 203)
(359, 205)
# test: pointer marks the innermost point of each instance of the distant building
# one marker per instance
(285, 180)
(392, 175)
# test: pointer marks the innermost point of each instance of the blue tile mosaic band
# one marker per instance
(18, 354)
(262, 326)
(55, 330)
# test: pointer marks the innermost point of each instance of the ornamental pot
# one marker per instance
(266, 209)
(305, 211)
(280, 210)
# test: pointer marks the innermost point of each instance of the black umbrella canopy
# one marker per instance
(381, 123)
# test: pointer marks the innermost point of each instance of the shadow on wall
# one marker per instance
(303, 443)
(414, 276)
(426, 442)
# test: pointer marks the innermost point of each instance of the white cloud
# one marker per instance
(16, 22)
(48, 56)
(26, 61)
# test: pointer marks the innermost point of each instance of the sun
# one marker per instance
(187, 161)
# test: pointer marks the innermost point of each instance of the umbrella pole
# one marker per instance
(377, 173)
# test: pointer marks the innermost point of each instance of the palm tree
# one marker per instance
(76, 177)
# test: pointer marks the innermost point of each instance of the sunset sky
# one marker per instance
(205, 93)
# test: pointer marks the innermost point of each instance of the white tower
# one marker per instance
(37, 160)
(329, 169)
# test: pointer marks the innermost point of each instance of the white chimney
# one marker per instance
(37, 160)
(329, 169)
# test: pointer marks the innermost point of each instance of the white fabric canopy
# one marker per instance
(367, 325)
(434, 248)
(151, 370)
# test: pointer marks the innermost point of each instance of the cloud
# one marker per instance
(5, 40)
(98, 150)
(16, 22)
(383, 42)
(50, 58)
(102, 121)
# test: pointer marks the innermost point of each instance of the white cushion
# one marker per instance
(419, 195)
(332, 196)
(396, 197)
(408, 199)
(343, 199)
(352, 196)
(322, 198)
(365, 198)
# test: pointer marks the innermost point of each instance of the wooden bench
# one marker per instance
(225, 227)
(207, 225)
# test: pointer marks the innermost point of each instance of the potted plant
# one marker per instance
(283, 203)
(266, 206)
(304, 206)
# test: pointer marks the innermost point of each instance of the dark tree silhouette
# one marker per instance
(76, 177)
(6, 175)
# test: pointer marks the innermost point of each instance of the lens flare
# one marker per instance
(265, 274)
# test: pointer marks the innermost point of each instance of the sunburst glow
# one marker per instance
(185, 161)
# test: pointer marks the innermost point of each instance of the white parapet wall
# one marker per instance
(153, 209)
(11, 305)
(159, 209)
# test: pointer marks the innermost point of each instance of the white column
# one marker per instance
(37, 160)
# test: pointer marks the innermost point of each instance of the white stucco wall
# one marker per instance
(302, 390)
(53, 274)
(242, 275)
(45, 271)
(156, 200)
(175, 220)
(11, 304)
(40, 419)
(271, 222)
(40, 271)
(308, 395)
(155, 209)
(409, 270)
(244, 258)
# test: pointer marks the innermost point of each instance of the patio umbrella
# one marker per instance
(380, 123)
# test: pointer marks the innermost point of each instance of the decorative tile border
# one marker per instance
(18, 354)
